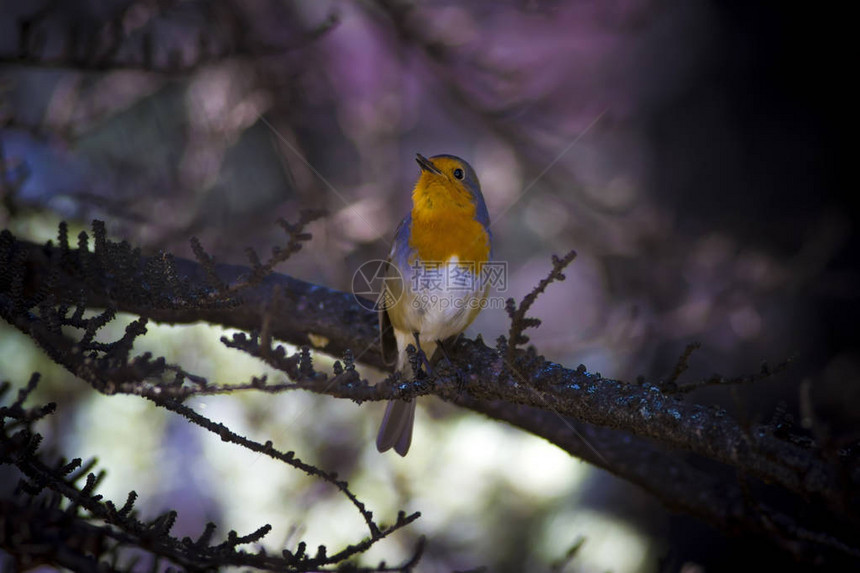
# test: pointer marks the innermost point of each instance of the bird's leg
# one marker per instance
(461, 376)
(421, 355)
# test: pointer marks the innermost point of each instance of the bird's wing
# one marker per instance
(387, 342)
(399, 253)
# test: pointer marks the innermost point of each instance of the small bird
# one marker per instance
(433, 284)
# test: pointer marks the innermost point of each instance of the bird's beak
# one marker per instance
(426, 164)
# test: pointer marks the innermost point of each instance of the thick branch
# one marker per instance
(626, 428)
(300, 308)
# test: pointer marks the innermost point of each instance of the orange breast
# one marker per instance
(440, 234)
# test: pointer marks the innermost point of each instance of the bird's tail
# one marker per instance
(396, 428)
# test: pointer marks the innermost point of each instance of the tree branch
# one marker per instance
(636, 431)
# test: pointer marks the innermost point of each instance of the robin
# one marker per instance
(433, 283)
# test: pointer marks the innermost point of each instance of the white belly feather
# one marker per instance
(438, 311)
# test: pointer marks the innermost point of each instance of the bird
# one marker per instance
(433, 288)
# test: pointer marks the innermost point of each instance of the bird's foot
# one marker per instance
(462, 377)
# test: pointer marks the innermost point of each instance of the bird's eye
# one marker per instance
(458, 173)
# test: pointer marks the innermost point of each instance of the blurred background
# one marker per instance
(687, 150)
